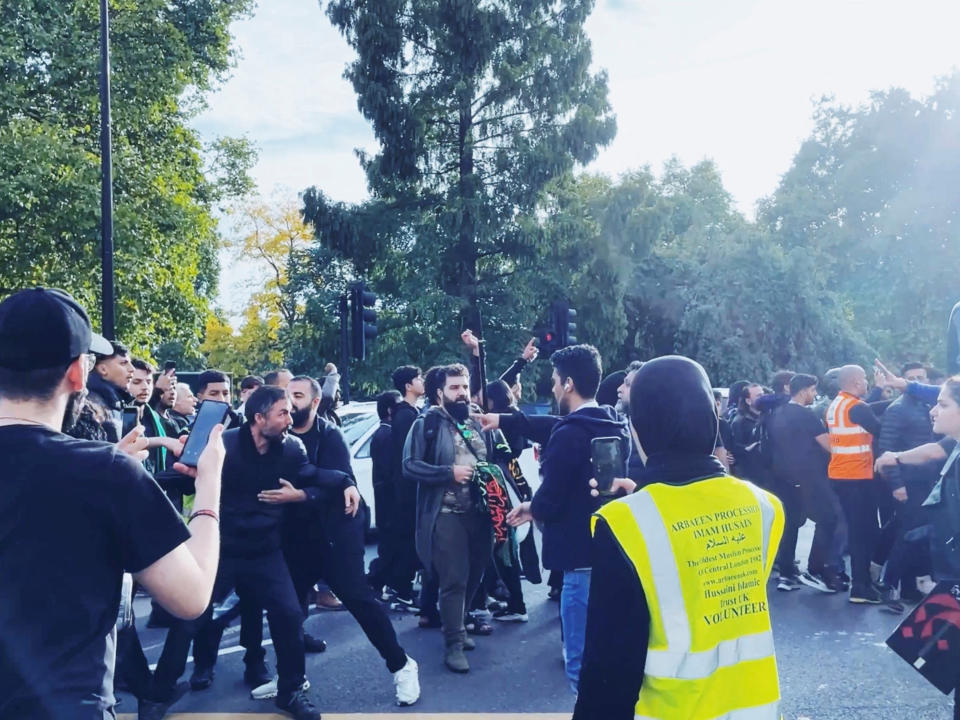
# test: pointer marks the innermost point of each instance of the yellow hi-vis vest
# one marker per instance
(703, 553)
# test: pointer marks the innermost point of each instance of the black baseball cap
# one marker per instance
(44, 328)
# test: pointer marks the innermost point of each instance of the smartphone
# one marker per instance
(609, 461)
(131, 418)
(169, 367)
(210, 413)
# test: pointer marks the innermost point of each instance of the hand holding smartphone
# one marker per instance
(210, 414)
(131, 417)
(608, 460)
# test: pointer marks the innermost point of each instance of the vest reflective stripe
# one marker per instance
(695, 665)
(703, 553)
(856, 430)
(760, 712)
(852, 450)
(768, 514)
(851, 447)
(666, 580)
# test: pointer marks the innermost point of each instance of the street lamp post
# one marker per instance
(106, 180)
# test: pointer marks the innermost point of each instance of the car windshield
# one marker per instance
(356, 425)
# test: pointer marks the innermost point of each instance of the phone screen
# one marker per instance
(131, 418)
(606, 453)
(209, 414)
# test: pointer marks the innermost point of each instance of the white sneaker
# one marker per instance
(268, 691)
(407, 682)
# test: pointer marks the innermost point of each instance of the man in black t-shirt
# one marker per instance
(79, 513)
(800, 453)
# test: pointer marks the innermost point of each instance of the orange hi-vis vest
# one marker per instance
(851, 447)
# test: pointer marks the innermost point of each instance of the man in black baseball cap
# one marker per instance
(43, 328)
(82, 512)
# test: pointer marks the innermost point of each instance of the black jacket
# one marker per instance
(249, 527)
(748, 464)
(405, 490)
(906, 424)
(381, 453)
(563, 503)
(323, 480)
(106, 401)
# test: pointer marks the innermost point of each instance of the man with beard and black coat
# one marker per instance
(444, 453)
(323, 534)
(653, 614)
(260, 456)
(563, 503)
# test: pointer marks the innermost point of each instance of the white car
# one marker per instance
(360, 422)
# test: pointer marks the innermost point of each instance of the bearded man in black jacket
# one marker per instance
(261, 455)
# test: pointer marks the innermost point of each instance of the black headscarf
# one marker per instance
(673, 411)
(607, 392)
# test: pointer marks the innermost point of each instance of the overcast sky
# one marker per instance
(734, 81)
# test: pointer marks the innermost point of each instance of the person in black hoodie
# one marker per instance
(563, 503)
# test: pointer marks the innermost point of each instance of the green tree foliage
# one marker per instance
(871, 197)
(669, 266)
(477, 106)
(165, 55)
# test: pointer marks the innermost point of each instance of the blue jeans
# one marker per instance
(573, 616)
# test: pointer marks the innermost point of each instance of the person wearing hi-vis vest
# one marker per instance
(852, 427)
(678, 623)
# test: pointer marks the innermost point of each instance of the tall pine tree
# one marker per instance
(477, 105)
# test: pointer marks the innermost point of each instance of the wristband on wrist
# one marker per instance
(208, 513)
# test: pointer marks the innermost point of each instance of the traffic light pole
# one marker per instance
(344, 350)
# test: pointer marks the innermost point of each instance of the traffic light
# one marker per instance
(363, 318)
(561, 330)
(565, 322)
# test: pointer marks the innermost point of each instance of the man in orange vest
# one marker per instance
(852, 426)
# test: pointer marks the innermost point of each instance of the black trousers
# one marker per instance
(858, 500)
(206, 646)
(260, 582)
(134, 670)
(794, 518)
(339, 561)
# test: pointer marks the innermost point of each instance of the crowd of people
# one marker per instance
(271, 521)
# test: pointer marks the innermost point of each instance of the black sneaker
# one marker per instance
(404, 604)
(313, 645)
(833, 582)
(816, 582)
(152, 710)
(299, 706)
(865, 595)
(554, 594)
(787, 583)
(202, 678)
(257, 674)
